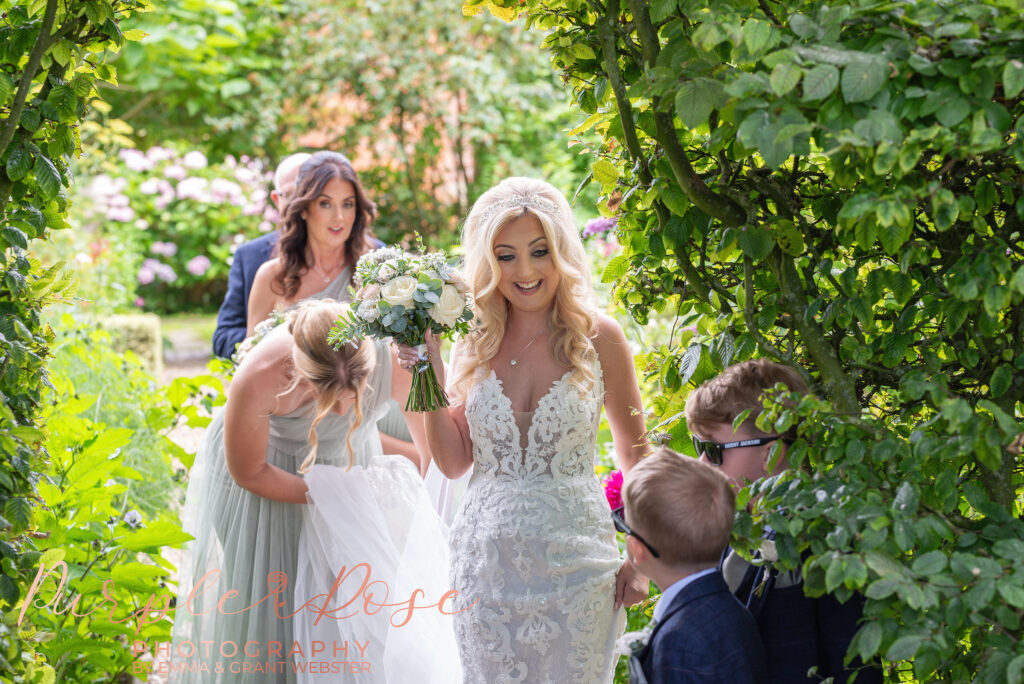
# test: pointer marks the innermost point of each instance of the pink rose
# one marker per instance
(613, 489)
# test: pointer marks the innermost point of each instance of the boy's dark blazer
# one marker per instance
(231, 319)
(800, 632)
(705, 636)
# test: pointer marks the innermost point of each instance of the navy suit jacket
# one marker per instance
(706, 637)
(231, 319)
(800, 632)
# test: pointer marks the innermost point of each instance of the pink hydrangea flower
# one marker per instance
(135, 160)
(146, 275)
(198, 265)
(195, 160)
(140, 302)
(122, 214)
(176, 172)
(613, 489)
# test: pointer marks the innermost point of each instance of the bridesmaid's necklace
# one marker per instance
(515, 359)
(326, 277)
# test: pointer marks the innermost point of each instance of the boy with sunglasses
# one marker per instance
(677, 516)
(798, 632)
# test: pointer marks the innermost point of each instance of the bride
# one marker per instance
(296, 577)
(533, 541)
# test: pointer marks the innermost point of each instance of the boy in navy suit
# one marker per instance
(677, 516)
(799, 633)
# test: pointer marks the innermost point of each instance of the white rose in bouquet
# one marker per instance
(449, 307)
(399, 292)
(385, 273)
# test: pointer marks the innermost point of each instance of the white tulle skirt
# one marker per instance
(372, 582)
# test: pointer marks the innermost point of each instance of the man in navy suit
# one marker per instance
(231, 319)
(678, 515)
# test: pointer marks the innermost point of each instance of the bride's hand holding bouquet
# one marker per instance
(405, 297)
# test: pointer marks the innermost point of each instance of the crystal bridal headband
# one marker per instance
(534, 202)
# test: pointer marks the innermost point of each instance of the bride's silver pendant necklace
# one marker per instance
(515, 359)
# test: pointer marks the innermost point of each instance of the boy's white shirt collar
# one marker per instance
(669, 594)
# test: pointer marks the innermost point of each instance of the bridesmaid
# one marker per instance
(324, 231)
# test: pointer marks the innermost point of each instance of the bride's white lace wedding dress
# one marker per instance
(533, 542)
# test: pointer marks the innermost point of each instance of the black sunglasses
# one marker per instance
(713, 450)
(621, 526)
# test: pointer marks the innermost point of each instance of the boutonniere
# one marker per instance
(633, 643)
(768, 550)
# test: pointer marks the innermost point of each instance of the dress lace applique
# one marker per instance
(533, 543)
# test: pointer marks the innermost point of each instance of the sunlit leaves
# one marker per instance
(819, 82)
(863, 78)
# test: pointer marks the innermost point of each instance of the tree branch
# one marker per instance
(839, 386)
(711, 203)
(28, 75)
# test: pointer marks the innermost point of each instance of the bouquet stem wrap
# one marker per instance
(426, 393)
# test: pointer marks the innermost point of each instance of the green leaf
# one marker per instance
(14, 236)
(1011, 591)
(8, 590)
(47, 176)
(19, 512)
(868, 639)
(135, 34)
(155, 535)
(662, 10)
(615, 269)
(757, 36)
(235, 87)
(1013, 78)
(945, 209)
(689, 363)
(788, 237)
(755, 242)
(6, 86)
(19, 163)
(605, 173)
(930, 563)
(819, 82)
(675, 199)
(862, 79)
(30, 118)
(904, 648)
(1000, 380)
(893, 236)
(696, 99)
(1015, 670)
(953, 112)
(784, 78)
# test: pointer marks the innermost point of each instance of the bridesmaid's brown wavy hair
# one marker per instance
(314, 174)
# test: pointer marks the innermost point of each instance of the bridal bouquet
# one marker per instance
(402, 296)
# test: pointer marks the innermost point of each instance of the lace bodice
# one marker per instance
(560, 439)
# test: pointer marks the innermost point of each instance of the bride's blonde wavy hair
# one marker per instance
(330, 372)
(574, 313)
